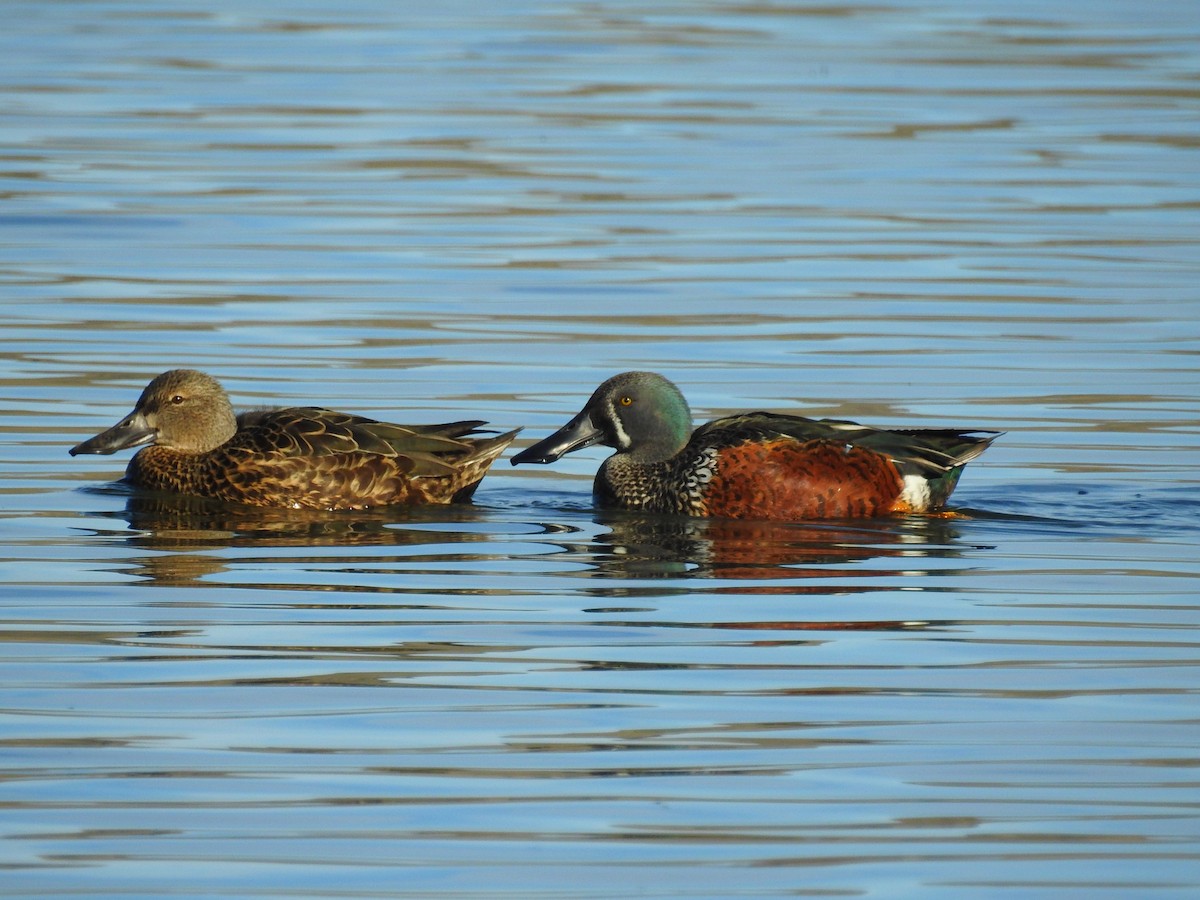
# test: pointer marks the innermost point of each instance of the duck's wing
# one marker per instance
(314, 432)
(931, 451)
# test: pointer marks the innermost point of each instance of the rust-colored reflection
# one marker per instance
(675, 547)
(798, 559)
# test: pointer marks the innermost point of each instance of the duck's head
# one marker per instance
(638, 413)
(182, 409)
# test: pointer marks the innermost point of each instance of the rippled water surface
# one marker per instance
(980, 215)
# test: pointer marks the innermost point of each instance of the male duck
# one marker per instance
(755, 465)
(301, 457)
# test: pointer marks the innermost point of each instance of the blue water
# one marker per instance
(980, 216)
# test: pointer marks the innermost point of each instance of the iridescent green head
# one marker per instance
(637, 413)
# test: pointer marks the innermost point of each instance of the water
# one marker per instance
(913, 213)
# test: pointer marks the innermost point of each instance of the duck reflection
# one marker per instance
(195, 530)
(168, 522)
(739, 558)
(187, 542)
(641, 546)
(171, 521)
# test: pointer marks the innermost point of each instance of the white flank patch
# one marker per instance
(915, 493)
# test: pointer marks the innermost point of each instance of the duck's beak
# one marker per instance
(575, 435)
(131, 431)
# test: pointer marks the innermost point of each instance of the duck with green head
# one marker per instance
(754, 465)
(300, 457)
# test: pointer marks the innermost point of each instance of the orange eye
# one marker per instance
(626, 401)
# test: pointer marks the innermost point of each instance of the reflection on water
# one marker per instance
(196, 530)
(622, 546)
(167, 521)
(639, 546)
(979, 215)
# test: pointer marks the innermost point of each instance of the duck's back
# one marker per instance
(770, 466)
(306, 457)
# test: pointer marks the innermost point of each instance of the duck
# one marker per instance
(755, 465)
(299, 457)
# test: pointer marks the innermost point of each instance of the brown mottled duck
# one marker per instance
(300, 457)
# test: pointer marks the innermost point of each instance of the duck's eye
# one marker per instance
(626, 401)
(177, 399)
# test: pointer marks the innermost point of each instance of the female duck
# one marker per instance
(300, 457)
(755, 465)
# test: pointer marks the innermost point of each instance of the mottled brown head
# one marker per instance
(182, 409)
